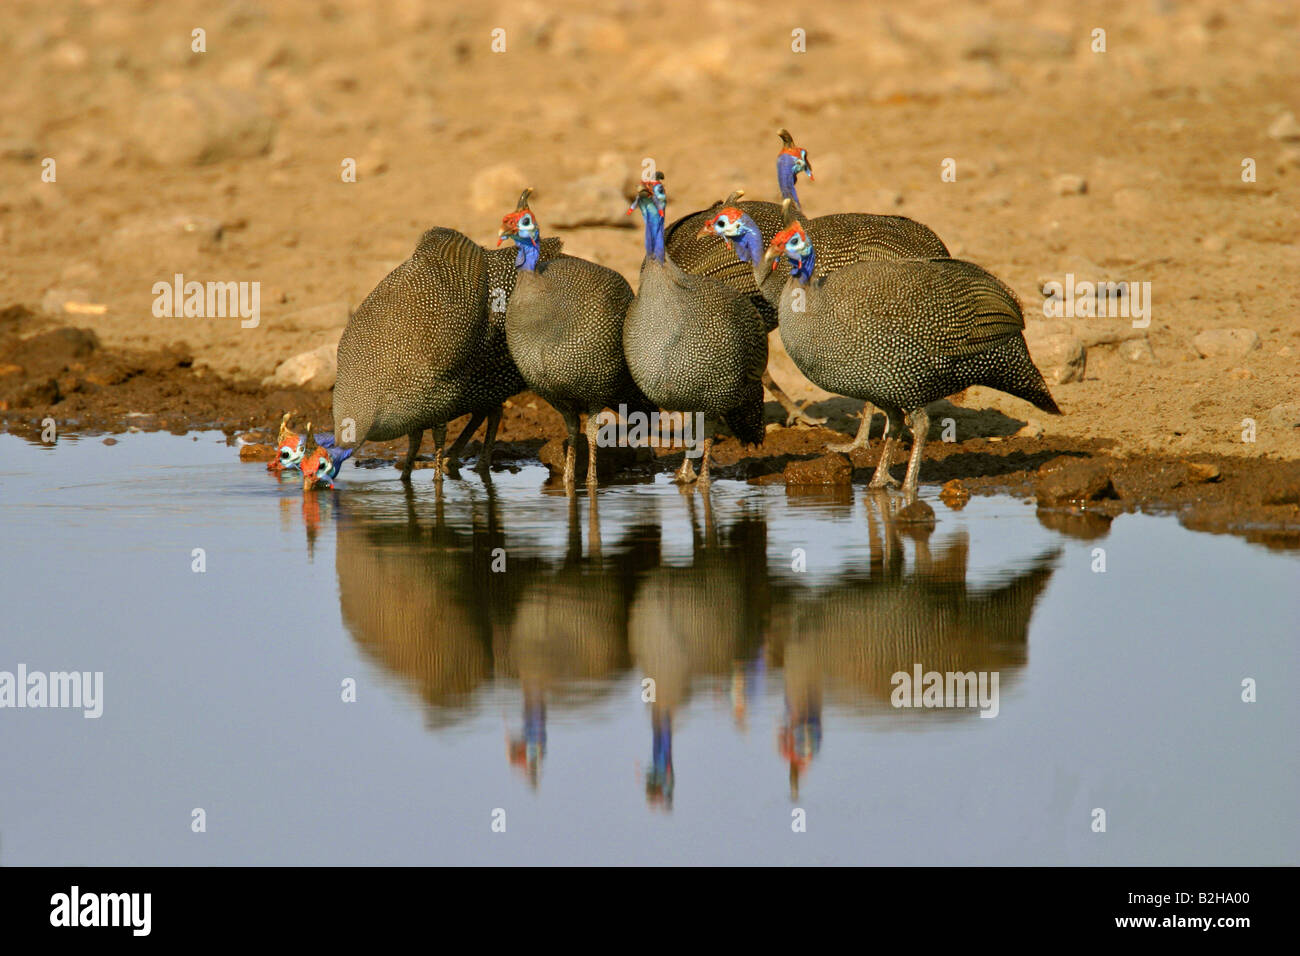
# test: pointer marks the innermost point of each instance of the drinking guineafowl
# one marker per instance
(564, 328)
(841, 238)
(694, 344)
(428, 345)
(902, 334)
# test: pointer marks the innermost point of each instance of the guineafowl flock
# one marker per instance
(870, 307)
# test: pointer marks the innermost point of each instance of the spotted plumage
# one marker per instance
(564, 329)
(428, 345)
(748, 226)
(901, 334)
(694, 344)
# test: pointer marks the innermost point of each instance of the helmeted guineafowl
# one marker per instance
(694, 344)
(901, 334)
(564, 328)
(428, 345)
(841, 239)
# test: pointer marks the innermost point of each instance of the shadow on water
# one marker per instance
(450, 605)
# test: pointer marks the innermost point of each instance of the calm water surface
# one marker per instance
(501, 637)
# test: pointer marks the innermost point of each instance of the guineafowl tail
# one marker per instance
(746, 422)
(1019, 376)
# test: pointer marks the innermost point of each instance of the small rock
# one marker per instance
(954, 495)
(1065, 479)
(257, 452)
(110, 441)
(1285, 127)
(316, 370)
(1136, 350)
(831, 469)
(56, 301)
(599, 198)
(1030, 429)
(1225, 342)
(1201, 472)
(1062, 357)
(1286, 415)
(1240, 374)
(202, 124)
(1214, 244)
(1284, 491)
(917, 513)
(1070, 185)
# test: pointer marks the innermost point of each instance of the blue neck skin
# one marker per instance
(654, 230)
(749, 244)
(785, 177)
(803, 269)
(529, 252)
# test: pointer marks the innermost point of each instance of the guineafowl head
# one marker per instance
(793, 243)
(288, 447)
(652, 201)
(736, 229)
(320, 465)
(522, 227)
(790, 162)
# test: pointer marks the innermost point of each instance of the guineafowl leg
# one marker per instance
(413, 449)
(920, 422)
(571, 451)
(685, 474)
(466, 433)
(860, 439)
(794, 415)
(593, 427)
(484, 464)
(439, 439)
(704, 461)
(893, 425)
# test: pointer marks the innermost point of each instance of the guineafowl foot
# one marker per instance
(860, 438)
(685, 475)
(888, 481)
(797, 416)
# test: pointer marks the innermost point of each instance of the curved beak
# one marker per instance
(308, 482)
(705, 230)
(503, 235)
(771, 257)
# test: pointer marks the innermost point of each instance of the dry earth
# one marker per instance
(1124, 165)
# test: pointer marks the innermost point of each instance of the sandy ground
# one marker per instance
(1124, 165)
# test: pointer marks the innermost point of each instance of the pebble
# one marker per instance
(315, 370)
(1066, 479)
(1061, 356)
(831, 469)
(1285, 127)
(1225, 342)
(1136, 350)
(1286, 415)
(202, 124)
(954, 494)
(1070, 185)
(1199, 472)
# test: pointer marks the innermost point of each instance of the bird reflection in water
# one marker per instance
(425, 596)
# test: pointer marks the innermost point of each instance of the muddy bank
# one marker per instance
(1080, 485)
